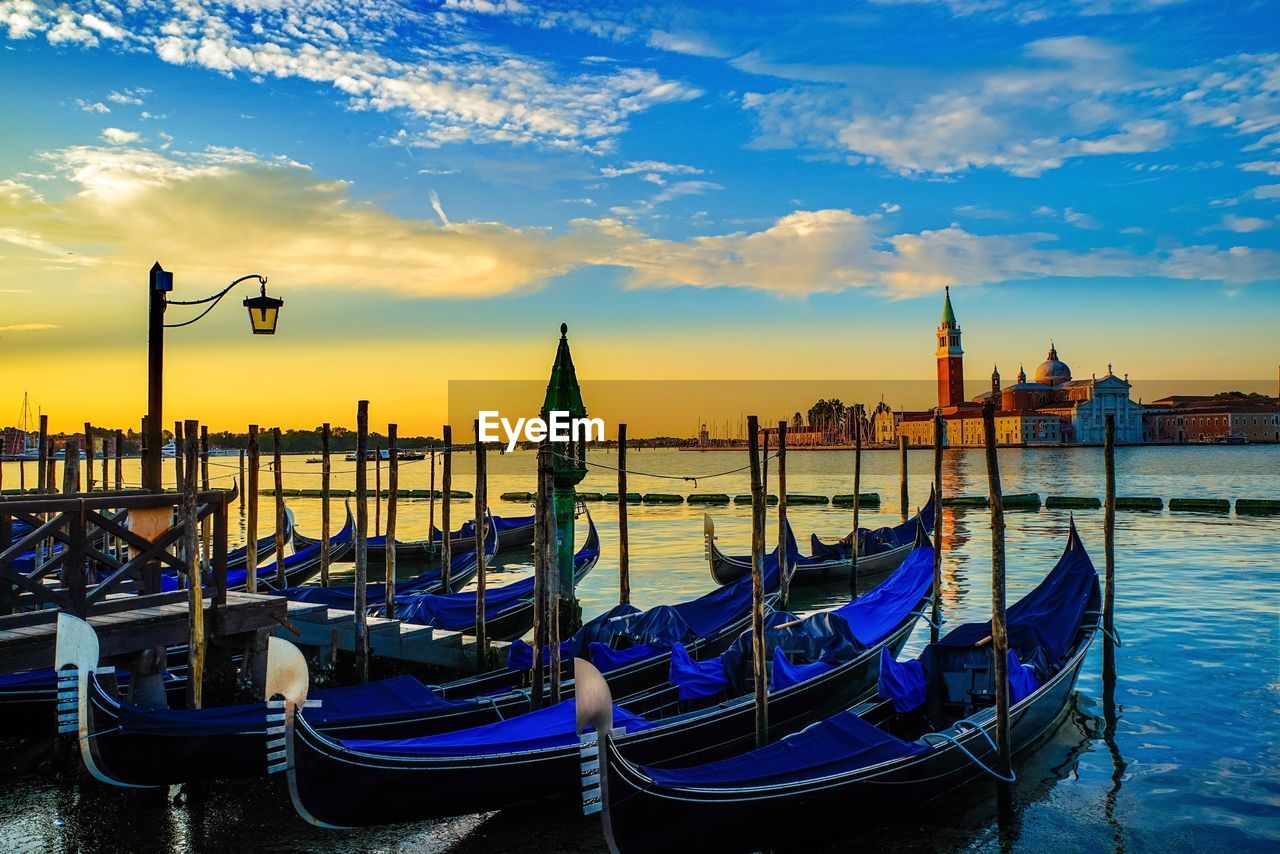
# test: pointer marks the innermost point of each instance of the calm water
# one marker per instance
(1194, 762)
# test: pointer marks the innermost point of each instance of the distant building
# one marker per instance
(1196, 418)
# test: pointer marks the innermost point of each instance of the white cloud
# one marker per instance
(1033, 11)
(28, 327)
(94, 107)
(1268, 167)
(116, 136)
(129, 97)
(1267, 191)
(656, 167)
(1244, 224)
(1078, 219)
(438, 208)
(890, 207)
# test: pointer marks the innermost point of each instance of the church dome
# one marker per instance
(1052, 371)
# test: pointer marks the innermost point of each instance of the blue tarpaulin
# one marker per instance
(785, 674)
(606, 659)
(695, 679)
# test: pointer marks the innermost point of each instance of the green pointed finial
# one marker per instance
(948, 315)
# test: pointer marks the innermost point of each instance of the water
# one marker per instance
(1194, 762)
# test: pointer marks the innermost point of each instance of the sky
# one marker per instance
(747, 191)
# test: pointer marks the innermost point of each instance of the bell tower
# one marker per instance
(950, 359)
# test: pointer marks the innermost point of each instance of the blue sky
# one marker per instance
(743, 182)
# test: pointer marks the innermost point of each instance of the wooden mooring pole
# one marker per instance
(757, 585)
(540, 533)
(191, 557)
(120, 460)
(279, 490)
(857, 500)
(205, 539)
(326, 478)
(431, 500)
(551, 585)
(939, 438)
(784, 568)
(88, 457)
(43, 481)
(243, 486)
(902, 482)
(446, 484)
(251, 529)
(362, 542)
(482, 640)
(179, 456)
(999, 634)
(377, 491)
(393, 488)
(1109, 547)
(624, 546)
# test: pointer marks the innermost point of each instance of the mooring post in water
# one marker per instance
(206, 545)
(243, 485)
(757, 584)
(362, 541)
(191, 558)
(553, 580)
(326, 478)
(482, 640)
(120, 460)
(540, 533)
(251, 526)
(431, 502)
(999, 634)
(43, 484)
(764, 465)
(857, 499)
(784, 566)
(1109, 546)
(179, 456)
(73, 574)
(88, 457)
(939, 438)
(446, 484)
(902, 483)
(393, 488)
(624, 553)
(279, 483)
(377, 491)
(107, 439)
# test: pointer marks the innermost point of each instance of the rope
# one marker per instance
(693, 478)
(1012, 778)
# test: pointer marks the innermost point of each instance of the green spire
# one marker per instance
(948, 315)
(563, 393)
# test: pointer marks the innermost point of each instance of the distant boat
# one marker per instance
(385, 454)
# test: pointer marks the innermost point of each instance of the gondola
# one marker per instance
(350, 782)
(508, 609)
(512, 533)
(928, 730)
(879, 553)
(462, 569)
(128, 746)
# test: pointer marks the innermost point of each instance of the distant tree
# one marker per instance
(797, 422)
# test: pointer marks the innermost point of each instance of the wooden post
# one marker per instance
(431, 500)
(393, 488)
(757, 585)
(446, 484)
(43, 481)
(939, 436)
(179, 443)
(119, 460)
(551, 567)
(624, 554)
(251, 531)
(999, 634)
(857, 500)
(362, 541)
(377, 491)
(107, 439)
(764, 465)
(279, 483)
(88, 457)
(784, 569)
(906, 502)
(540, 533)
(71, 467)
(243, 486)
(191, 557)
(1109, 546)
(205, 539)
(482, 640)
(325, 479)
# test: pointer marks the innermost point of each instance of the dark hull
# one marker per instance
(726, 570)
(641, 817)
(335, 786)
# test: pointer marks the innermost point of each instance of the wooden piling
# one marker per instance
(902, 482)
(107, 439)
(1109, 547)
(624, 553)
(251, 529)
(43, 481)
(482, 640)
(205, 539)
(179, 481)
(362, 542)
(73, 571)
(446, 486)
(857, 500)
(540, 534)
(784, 569)
(552, 578)
(191, 557)
(999, 633)
(939, 437)
(243, 485)
(377, 491)
(393, 488)
(71, 467)
(757, 585)
(325, 480)
(119, 460)
(431, 499)
(88, 457)
(279, 483)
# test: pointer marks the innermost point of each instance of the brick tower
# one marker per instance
(950, 359)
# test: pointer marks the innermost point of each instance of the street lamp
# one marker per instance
(264, 311)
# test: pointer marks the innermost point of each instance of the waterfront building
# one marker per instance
(1200, 418)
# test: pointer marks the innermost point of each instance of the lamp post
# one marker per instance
(264, 311)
